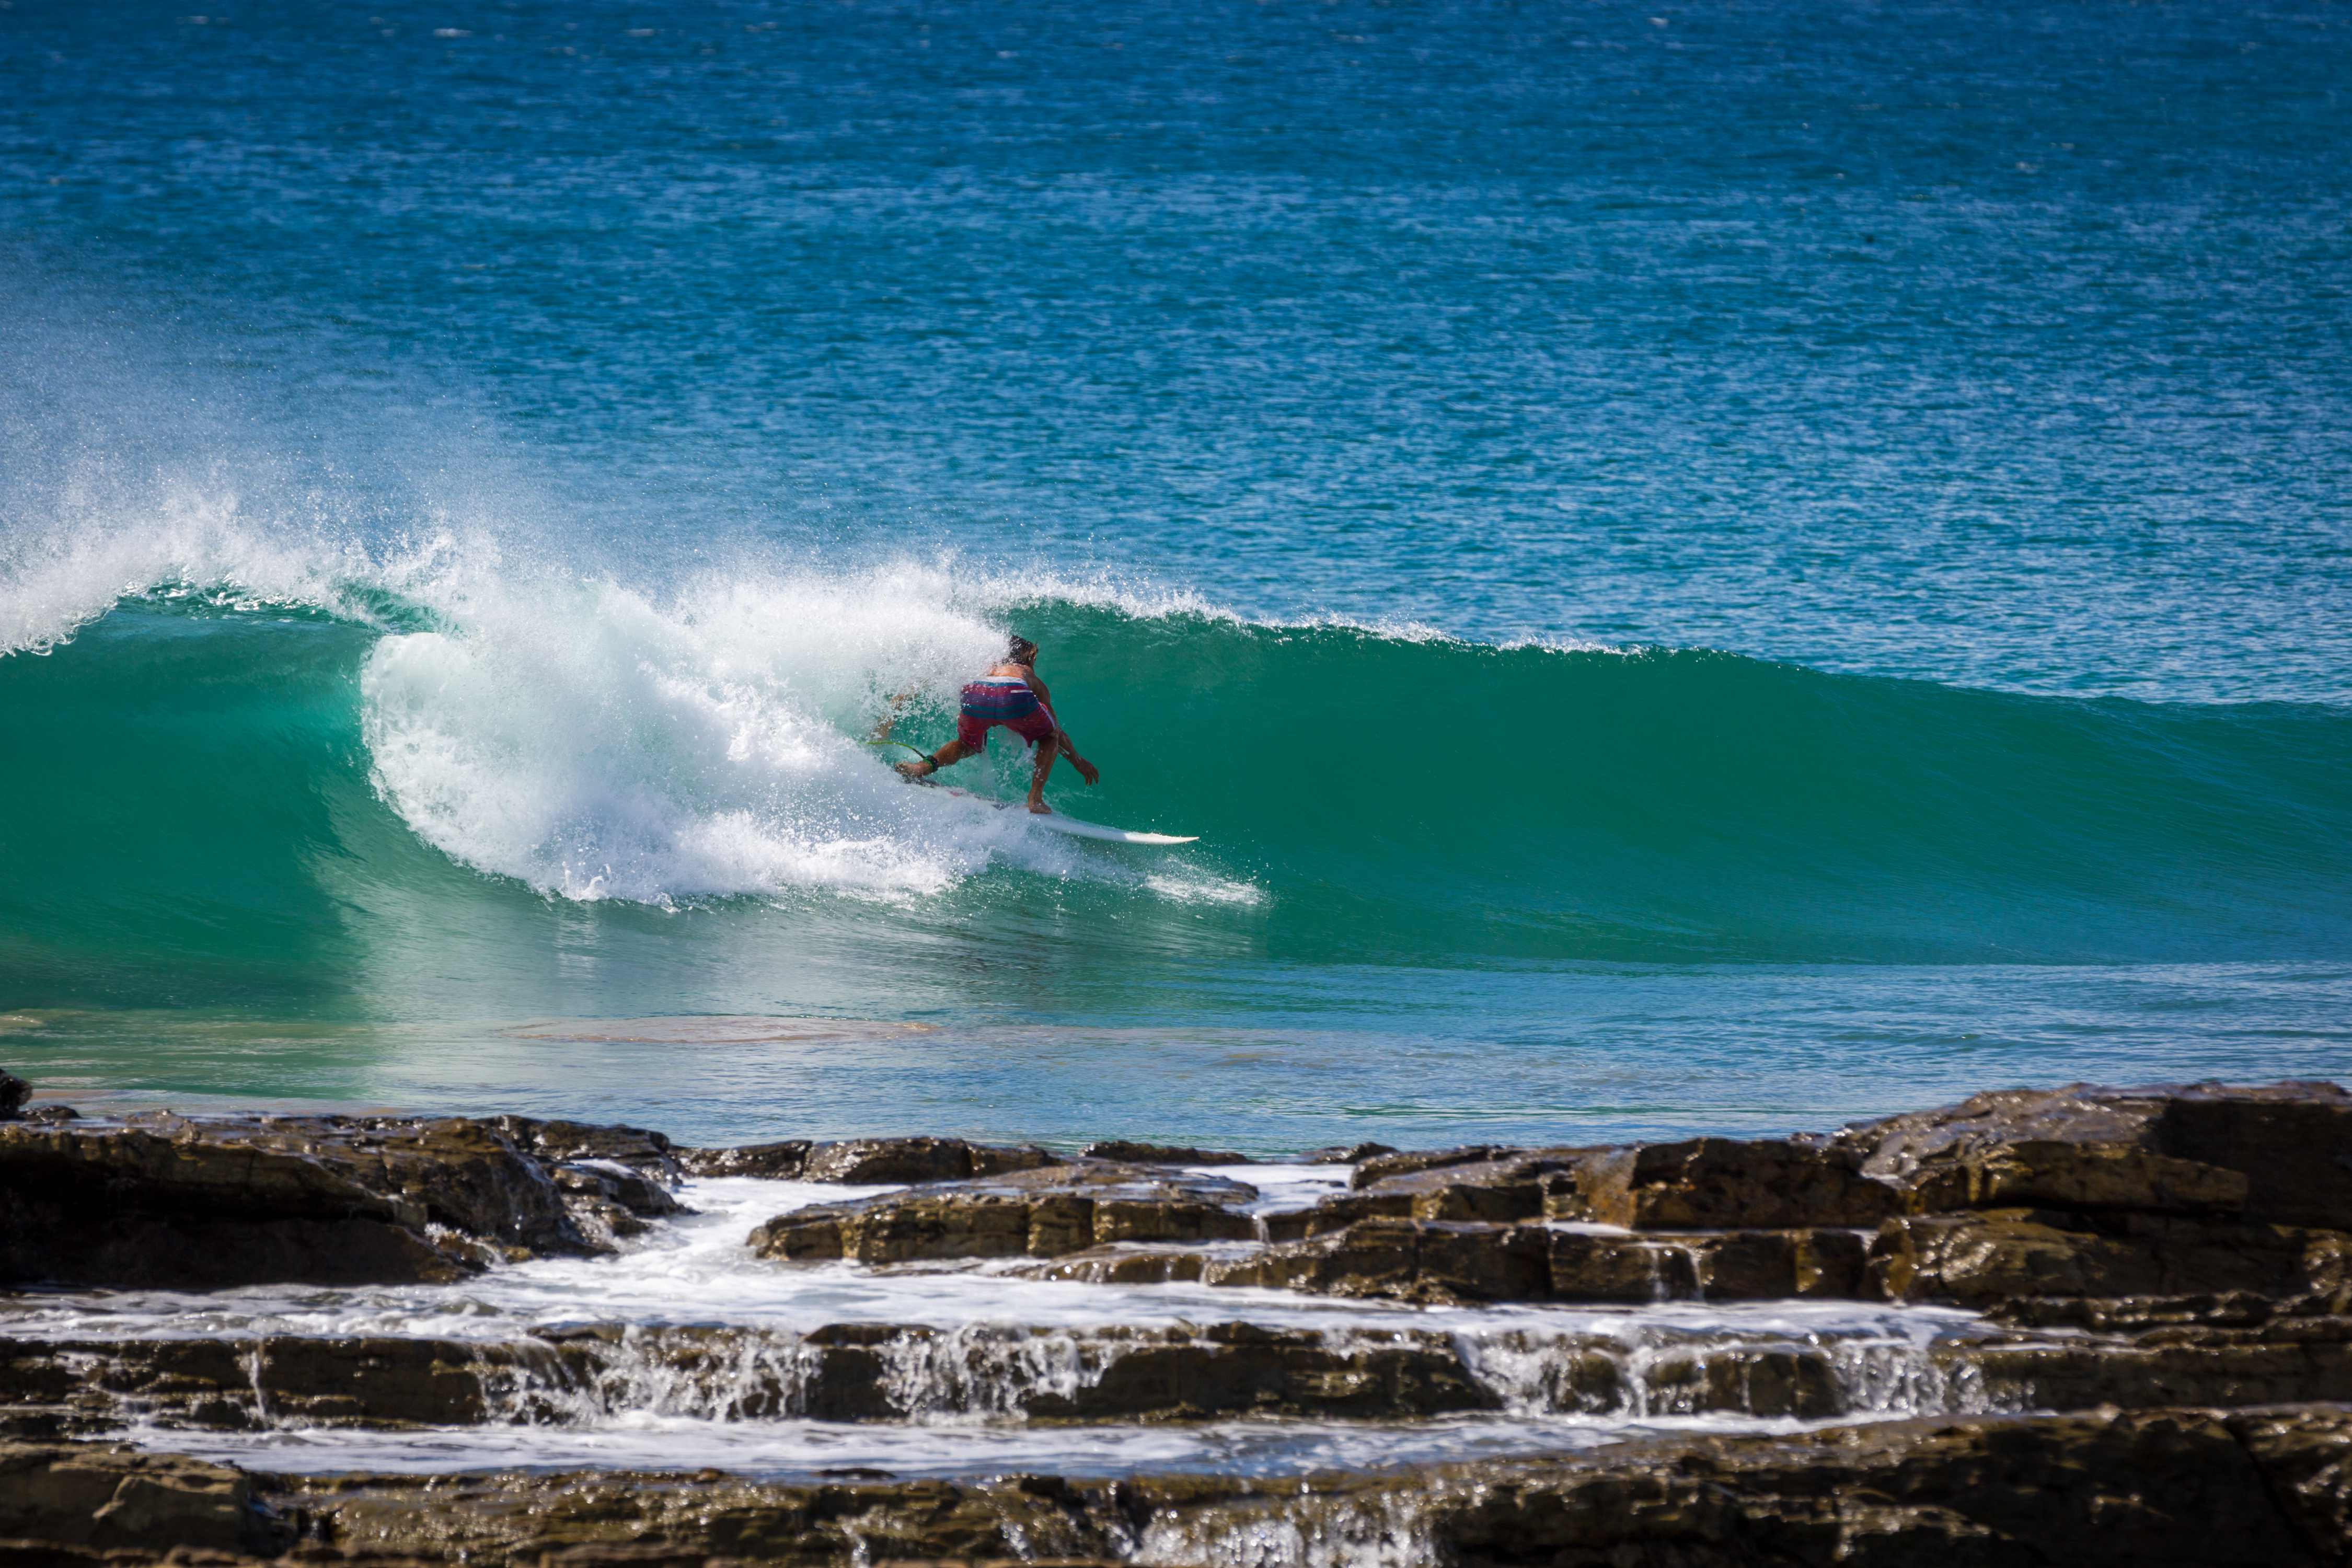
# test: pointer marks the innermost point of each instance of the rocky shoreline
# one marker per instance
(2140, 1302)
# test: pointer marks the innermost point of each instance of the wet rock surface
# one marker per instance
(2272, 1155)
(2195, 1488)
(866, 1161)
(2168, 1269)
(1161, 1154)
(165, 1201)
(1043, 1211)
(111, 1499)
(1109, 1373)
(2172, 1488)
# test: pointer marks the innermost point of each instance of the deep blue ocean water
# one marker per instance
(1722, 566)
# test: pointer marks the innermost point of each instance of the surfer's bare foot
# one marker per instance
(921, 768)
(1041, 808)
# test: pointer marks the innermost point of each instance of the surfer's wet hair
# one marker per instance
(1017, 644)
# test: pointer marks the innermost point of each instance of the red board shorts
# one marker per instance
(988, 703)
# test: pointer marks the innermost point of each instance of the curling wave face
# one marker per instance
(261, 790)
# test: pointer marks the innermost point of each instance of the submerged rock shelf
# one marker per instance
(923, 1348)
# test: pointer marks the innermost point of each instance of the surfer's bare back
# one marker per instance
(1009, 694)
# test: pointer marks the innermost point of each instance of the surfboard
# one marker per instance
(1055, 822)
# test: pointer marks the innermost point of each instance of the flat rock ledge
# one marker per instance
(2170, 1191)
(2167, 1269)
(162, 1201)
(2165, 1194)
(2257, 1488)
(1113, 1372)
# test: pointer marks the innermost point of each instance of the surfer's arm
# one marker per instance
(1087, 770)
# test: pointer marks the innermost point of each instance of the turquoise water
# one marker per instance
(1723, 566)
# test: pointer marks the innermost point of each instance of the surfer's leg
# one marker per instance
(1046, 752)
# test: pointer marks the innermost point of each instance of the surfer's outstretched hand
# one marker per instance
(1087, 770)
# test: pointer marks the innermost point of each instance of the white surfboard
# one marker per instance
(1055, 822)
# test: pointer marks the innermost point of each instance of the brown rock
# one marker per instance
(859, 1161)
(1773, 1385)
(2086, 1375)
(1707, 1183)
(242, 1384)
(1342, 1154)
(992, 1160)
(2075, 1176)
(1983, 1258)
(1980, 1260)
(1410, 1260)
(1379, 1167)
(2132, 1314)
(2276, 1153)
(776, 1161)
(1233, 1369)
(119, 1498)
(1161, 1154)
(2304, 1462)
(1337, 1213)
(1714, 1266)
(1620, 1269)
(618, 1184)
(804, 1235)
(519, 1521)
(166, 1201)
(2168, 1488)
(1490, 1192)
(560, 1142)
(1041, 1212)
(2177, 1490)
(1124, 1264)
(2292, 1142)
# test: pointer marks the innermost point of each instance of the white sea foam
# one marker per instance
(590, 717)
(698, 1270)
(801, 1449)
(996, 1342)
(595, 745)
(598, 741)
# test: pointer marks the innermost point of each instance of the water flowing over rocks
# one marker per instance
(2099, 1324)
(2262, 1488)
(1043, 1212)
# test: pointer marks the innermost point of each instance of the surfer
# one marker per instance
(1009, 694)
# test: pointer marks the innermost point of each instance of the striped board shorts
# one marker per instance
(1011, 703)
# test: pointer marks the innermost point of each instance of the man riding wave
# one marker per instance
(1008, 693)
